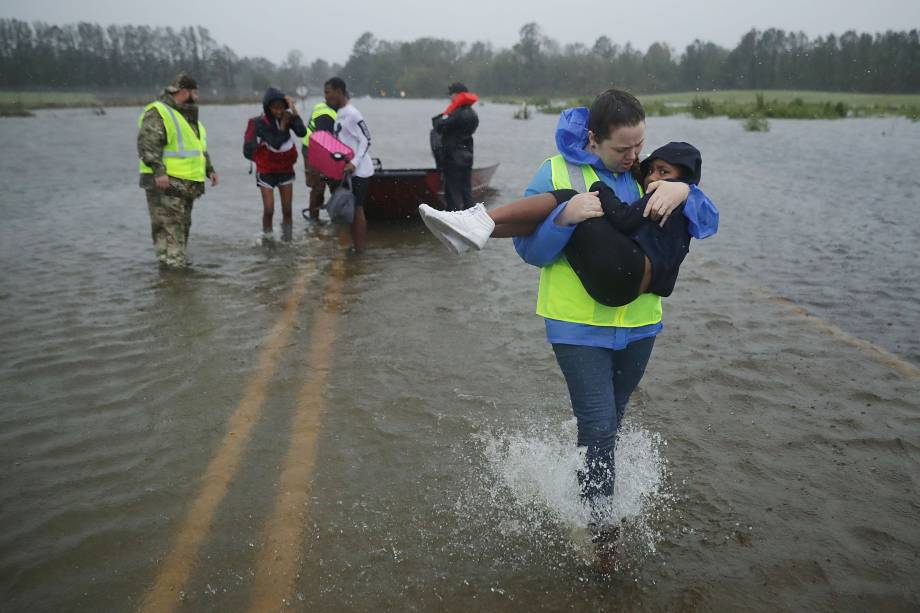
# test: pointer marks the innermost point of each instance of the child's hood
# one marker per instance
(272, 94)
(679, 154)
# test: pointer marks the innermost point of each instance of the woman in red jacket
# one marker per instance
(271, 146)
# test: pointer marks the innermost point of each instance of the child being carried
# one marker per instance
(617, 255)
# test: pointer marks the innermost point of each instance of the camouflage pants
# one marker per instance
(170, 222)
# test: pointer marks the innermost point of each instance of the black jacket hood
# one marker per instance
(272, 94)
(679, 154)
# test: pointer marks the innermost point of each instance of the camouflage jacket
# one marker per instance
(151, 138)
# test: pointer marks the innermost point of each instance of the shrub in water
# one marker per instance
(702, 107)
(756, 123)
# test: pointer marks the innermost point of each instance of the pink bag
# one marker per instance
(328, 155)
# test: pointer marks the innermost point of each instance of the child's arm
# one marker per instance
(250, 146)
(621, 216)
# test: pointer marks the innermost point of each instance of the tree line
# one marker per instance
(537, 65)
(86, 55)
(129, 58)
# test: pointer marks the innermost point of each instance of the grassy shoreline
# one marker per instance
(747, 104)
(735, 104)
(22, 104)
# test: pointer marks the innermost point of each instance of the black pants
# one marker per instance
(458, 191)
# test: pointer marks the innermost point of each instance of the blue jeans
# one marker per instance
(600, 383)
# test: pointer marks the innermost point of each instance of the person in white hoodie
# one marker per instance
(351, 129)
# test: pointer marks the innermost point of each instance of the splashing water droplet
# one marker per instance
(528, 498)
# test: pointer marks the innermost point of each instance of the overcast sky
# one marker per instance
(328, 29)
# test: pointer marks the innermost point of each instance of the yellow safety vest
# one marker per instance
(563, 297)
(184, 152)
(319, 109)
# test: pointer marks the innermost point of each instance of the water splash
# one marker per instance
(532, 492)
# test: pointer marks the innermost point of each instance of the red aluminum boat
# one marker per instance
(396, 194)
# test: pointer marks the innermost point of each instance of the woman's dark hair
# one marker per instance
(613, 109)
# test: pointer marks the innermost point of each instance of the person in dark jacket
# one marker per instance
(271, 146)
(454, 155)
(617, 255)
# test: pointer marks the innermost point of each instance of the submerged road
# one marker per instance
(285, 427)
(277, 566)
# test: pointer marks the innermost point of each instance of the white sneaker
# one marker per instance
(459, 230)
(454, 244)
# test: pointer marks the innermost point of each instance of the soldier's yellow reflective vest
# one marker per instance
(183, 154)
(319, 109)
(563, 297)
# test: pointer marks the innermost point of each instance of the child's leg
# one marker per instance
(529, 210)
(522, 217)
(460, 230)
(287, 198)
(268, 207)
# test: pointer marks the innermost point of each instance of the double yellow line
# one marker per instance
(277, 565)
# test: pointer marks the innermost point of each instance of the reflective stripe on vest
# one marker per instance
(563, 297)
(183, 154)
(320, 109)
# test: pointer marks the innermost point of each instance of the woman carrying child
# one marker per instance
(601, 349)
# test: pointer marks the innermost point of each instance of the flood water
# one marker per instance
(287, 427)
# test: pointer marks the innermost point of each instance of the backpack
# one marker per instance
(250, 141)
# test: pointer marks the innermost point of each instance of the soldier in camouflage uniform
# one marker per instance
(170, 198)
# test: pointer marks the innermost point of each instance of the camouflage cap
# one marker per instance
(182, 81)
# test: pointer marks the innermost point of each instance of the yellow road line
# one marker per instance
(880, 354)
(279, 560)
(177, 567)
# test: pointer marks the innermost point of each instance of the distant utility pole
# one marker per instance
(302, 92)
